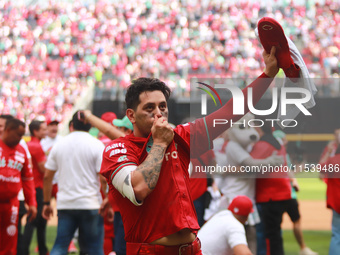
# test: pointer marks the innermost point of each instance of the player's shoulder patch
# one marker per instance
(122, 158)
(117, 143)
(119, 146)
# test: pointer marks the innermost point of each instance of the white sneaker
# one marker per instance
(308, 251)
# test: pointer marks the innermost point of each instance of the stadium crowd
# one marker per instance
(49, 55)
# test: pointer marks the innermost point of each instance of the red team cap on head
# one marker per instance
(52, 121)
(241, 205)
(108, 117)
(272, 34)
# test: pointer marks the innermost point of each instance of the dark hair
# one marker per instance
(267, 125)
(6, 116)
(34, 126)
(14, 123)
(141, 85)
(78, 124)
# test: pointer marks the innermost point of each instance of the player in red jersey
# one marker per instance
(273, 191)
(330, 163)
(38, 130)
(15, 172)
(147, 171)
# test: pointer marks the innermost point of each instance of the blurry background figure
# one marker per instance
(124, 125)
(241, 138)
(293, 208)
(224, 233)
(331, 147)
(16, 173)
(38, 130)
(21, 197)
(330, 163)
(77, 158)
(200, 180)
(47, 143)
(52, 137)
(273, 194)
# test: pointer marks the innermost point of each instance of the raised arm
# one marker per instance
(205, 127)
(104, 127)
(260, 85)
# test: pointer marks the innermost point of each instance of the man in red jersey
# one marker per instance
(38, 130)
(15, 172)
(330, 169)
(273, 193)
(147, 171)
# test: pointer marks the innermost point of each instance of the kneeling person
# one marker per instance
(224, 233)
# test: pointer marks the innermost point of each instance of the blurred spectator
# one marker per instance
(77, 158)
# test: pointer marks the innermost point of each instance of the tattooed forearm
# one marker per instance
(151, 167)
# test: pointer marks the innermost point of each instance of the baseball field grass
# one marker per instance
(311, 188)
(317, 240)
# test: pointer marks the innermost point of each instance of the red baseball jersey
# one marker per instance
(169, 207)
(272, 188)
(15, 172)
(38, 156)
(333, 183)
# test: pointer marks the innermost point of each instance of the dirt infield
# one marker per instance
(314, 216)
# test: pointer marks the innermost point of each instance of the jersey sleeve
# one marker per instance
(196, 134)
(237, 236)
(203, 131)
(28, 183)
(116, 156)
(258, 86)
(38, 154)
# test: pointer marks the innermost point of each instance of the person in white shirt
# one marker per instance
(47, 143)
(77, 158)
(224, 233)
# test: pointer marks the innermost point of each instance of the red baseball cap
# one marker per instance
(241, 205)
(272, 34)
(108, 117)
(52, 121)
